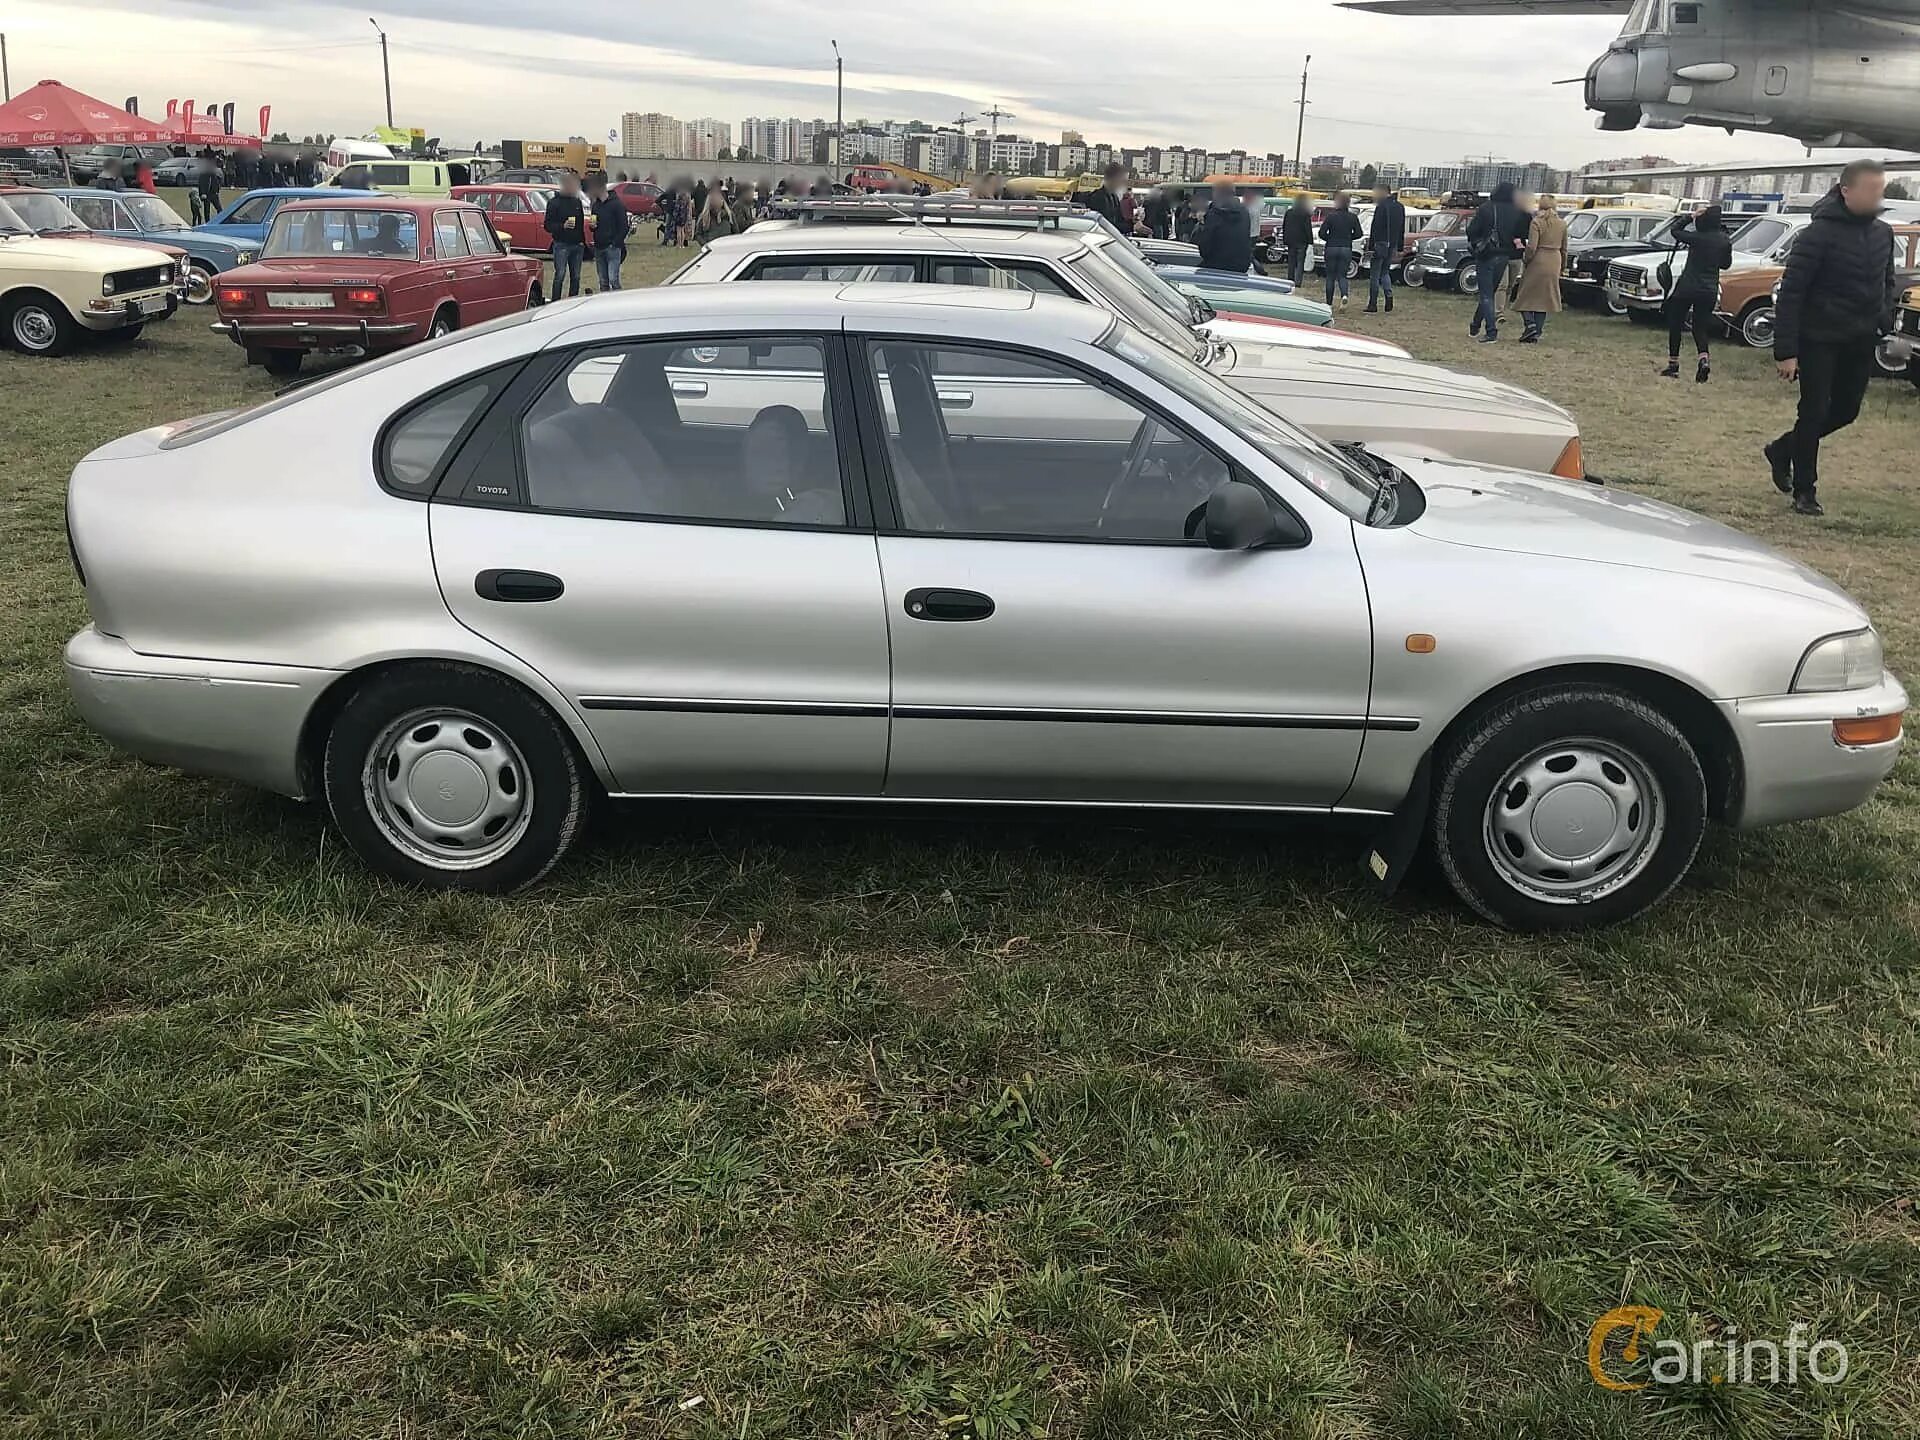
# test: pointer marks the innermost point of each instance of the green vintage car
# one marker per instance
(1246, 294)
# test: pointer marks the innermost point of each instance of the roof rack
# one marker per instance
(926, 207)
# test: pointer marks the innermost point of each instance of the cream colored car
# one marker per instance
(52, 289)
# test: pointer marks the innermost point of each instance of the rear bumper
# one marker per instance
(1793, 767)
(212, 717)
(315, 334)
(124, 310)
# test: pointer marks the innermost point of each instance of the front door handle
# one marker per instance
(518, 586)
(944, 604)
(957, 399)
(691, 389)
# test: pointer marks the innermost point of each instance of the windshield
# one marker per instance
(1113, 285)
(1580, 222)
(1346, 488)
(1757, 237)
(44, 212)
(391, 233)
(1131, 263)
(1444, 223)
(152, 213)
(10, 223)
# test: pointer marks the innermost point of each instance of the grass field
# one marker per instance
(756, 1123)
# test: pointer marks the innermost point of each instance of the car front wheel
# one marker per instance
(1415, 275)
(1756, 327)
(36, 324)
(1567, 808)
(445, 775)
(199, 283)
(1467, 280)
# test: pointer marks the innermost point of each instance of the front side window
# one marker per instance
(732, 430)
(995, 444)
(152, 213)
(1760, 236)
(449, 239)
(304, 233)
(251, 212)
(96, 212)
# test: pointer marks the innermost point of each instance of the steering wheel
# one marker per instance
(1131, 469)
(1185, 473)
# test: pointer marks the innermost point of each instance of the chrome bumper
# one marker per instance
(1794, 768)
(126, 312)
(321, 332)
(212, 717)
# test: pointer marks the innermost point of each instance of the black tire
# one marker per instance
(444, 323)
(535, 296)
(538, 751)
(199, 283)
(1467, 278)
(37, 324)
(1756, 325)
(283, 362)
(1479, 766)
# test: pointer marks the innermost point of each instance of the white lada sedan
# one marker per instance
(935, 544)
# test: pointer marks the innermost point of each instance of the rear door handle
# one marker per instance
(692, 389)
(957, 399)
(943, 604)
(518, 586)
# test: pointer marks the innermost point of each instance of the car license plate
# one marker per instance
(151, 305)
(299, 299)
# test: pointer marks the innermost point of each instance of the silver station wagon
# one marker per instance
(924, 543)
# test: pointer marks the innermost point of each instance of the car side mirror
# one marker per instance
(1238, 516)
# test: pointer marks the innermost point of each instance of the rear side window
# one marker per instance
(449, 239)
(391, 174)
(836, 270)
(479, 235)
(419, 442)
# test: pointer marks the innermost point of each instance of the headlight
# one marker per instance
(1840, 662)
(106, 286)
(243, 257)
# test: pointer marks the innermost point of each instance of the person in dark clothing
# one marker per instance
(1696, 289)
(611, 225)
(699, 196)
(1386, 239)
(109, 177)
(1340, 232)
(1497, 236)
(1185, 223)
(1105, 201)
(567, 224)
(1224, 240)
(1159, 211)
(1296, 237)
(1836, 301)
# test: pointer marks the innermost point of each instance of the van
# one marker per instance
(421, 179)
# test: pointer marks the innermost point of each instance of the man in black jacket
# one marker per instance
(1836, 301)
(567, 224)
(1340, 232)
(1386, 238)
(1223, 237)
(1497, 236)
(1296, 236)
(611, 223)
(1106, 200)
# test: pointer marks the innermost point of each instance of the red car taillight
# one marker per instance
(237, 299)
(362, 297)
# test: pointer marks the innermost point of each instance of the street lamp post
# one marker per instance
(386, 74)
(1300, 133)
(839, 107)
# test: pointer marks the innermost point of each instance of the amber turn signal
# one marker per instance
(1872, 730)
(1421, 644)
(1572, 464)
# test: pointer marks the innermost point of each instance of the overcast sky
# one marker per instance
(1127, 71)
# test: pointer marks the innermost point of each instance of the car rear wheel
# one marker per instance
(199, 282)
(283, 362)
(1568, 807)
(1467, 279)
(445, 775)
(443, 323)
(535, 296)
(39, 325)
(1756, 327)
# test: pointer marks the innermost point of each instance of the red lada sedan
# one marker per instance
(364, 276)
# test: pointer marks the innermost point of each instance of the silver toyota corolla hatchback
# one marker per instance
(930, 544)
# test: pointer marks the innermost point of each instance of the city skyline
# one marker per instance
(484, 69)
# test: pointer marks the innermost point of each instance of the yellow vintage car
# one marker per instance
(52, 289)
(1908, 324)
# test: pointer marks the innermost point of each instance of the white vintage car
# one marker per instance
(54, 290)
(932, 544)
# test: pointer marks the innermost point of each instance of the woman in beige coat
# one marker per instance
(1540, 287)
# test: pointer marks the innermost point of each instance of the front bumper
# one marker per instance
(212, 717)
(1793, 767)
(116, 312)
(314, 334)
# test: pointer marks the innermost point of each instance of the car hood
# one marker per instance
(1651, 260)
(1261, 341)
(125, 242)
(320, 270)
(53, 252)
(205, 240)
(1510, 510)
(1279, 371)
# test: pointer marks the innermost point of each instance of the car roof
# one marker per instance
(501, 185)
(375, 200)
(1015, 316)
(319, 192)
(869, 236)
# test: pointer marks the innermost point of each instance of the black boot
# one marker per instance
(1703, 372)
(1389, 304)
(1672, 372)
(1781, 461)
(1805, 502)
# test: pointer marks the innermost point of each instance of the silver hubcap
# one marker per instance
(448, 788)
(1759, 329)
(440, 327)
(33, 327)
(199, 286)
(1575, 821)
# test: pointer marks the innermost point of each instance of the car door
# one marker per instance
(247, 220)
(1056, 635)
(513, 219)
(456, 272)
(504, 291)
(703, 585)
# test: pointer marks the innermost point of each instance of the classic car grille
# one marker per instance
(1629, 280)
(147, 277)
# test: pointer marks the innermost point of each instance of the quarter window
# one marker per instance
(999, 275)
(418, 443)
(987, 443)
(840, 269)
(731, 431)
